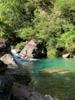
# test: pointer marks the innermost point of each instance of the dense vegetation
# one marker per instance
(50, 20)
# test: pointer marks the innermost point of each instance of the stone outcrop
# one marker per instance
(34, 49)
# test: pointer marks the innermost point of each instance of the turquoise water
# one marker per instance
(67, 64)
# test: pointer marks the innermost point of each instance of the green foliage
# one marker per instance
(1, 34)
(52, 53)
(20, 45)
(26, 33)
(49, 20)
(47, 5)
(68, 40)
(68, 12)
(6, 31)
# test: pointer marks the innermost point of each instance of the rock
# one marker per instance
(8, 59)
(48, 97)
(34, 49)
(3, 45)
(6, 83)
(67, 55)
(23, 92)
(60, 50)
(28, 49)
(3, 66)
(22, 79)
(38, 96)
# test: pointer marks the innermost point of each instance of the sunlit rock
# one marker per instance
(34, 49)
(67, 55)
(8, 59)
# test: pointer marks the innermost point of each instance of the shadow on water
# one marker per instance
(60, 86)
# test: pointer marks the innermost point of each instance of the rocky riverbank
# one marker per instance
(15, 81)
(17, 85)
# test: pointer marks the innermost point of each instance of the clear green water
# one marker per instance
(67, 64)
(60, 83)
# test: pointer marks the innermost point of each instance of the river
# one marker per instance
(56, 63)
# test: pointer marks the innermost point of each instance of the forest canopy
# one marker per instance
(50, 20)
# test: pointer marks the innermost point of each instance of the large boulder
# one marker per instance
(8, 59)
(34, 49)
(28, 49)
